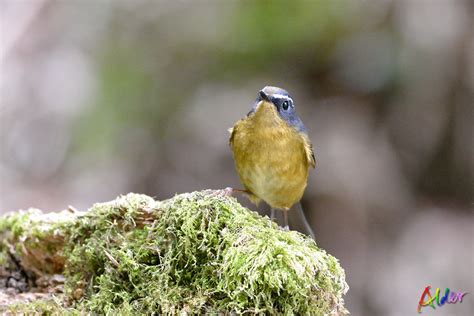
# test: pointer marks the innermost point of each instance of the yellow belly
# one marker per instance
(271, 161)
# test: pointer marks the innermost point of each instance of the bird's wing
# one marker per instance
(308, 148)
(232, 133)
(295, 122)
(237, 128)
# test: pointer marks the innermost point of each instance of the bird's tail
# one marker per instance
(297, 220)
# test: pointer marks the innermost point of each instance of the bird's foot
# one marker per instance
(227, 191)
(221, 192)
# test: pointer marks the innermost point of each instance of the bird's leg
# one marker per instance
(285, 219)
(272, 214)
(232, 190)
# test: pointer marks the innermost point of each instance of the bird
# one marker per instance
(273, 154)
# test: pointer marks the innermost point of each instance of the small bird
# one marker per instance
(273, 153)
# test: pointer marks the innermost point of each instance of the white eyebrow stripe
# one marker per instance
(282, 96)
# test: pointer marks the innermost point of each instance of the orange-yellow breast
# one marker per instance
(271, 158)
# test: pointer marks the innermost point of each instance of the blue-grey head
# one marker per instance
(283, 103)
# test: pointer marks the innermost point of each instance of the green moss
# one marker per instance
(195, 253)
(3, 257)
(36, 239)
(14, 223)
(204, 253)
(41, 306)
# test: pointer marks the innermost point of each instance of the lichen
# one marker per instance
(198, 252)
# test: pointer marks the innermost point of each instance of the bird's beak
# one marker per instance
(264, 96)
(265, 103)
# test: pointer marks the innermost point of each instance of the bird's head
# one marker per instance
(277, 100)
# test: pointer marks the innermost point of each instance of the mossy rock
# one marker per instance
(200, 252)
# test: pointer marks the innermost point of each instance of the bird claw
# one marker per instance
(228, 191)
(222, 192)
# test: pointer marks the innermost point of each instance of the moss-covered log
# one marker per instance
(200, 252)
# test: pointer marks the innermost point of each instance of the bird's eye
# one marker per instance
(285, 105)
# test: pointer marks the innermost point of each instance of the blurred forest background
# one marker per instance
(100, 98)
